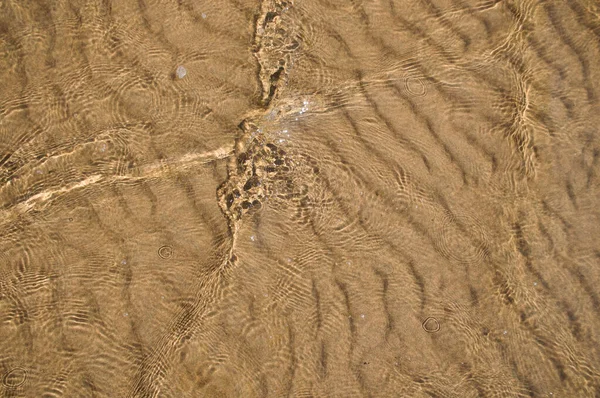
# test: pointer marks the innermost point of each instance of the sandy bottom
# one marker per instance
(300, 198)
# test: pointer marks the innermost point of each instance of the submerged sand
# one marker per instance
(300, 198)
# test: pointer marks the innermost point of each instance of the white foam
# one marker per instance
(181, 71)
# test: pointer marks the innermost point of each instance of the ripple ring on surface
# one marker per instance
(412, 81)
(165, 252)
(461, 238)
(14, 378)
(431, 325)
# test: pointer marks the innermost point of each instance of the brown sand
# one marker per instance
(339, 198)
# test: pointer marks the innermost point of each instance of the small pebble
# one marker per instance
(203, 16)
(181, 72)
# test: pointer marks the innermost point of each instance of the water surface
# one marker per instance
(300, 198)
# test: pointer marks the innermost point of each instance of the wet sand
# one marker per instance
(300, 198)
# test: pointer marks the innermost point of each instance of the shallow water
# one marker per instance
(300, 198)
